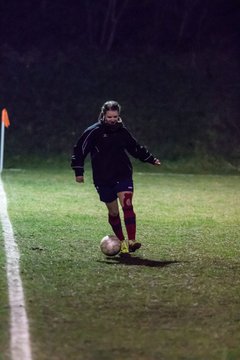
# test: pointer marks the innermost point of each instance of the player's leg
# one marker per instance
(125, 198)
(115, 222)
(108, 195)
(114, 219)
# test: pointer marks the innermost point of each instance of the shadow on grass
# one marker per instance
(134, 260)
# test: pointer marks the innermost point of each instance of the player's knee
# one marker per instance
(127, 201)
(113, 213)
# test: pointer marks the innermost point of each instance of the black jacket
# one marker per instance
(107, 145)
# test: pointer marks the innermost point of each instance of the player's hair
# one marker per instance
(109, 105)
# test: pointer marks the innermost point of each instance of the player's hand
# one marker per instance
(157, 162)
(80, 179)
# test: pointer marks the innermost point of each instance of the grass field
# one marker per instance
(178, 298)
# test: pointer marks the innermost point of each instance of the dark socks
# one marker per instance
(130, 221)
(116, 225)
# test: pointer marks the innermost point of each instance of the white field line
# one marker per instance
(19, 331)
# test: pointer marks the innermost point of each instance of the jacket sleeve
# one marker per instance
(80, 151)
(138, 151)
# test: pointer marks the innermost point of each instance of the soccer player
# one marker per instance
(107, 141)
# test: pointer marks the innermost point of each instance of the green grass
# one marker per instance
(177, 299)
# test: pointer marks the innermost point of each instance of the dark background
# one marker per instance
(173, 65)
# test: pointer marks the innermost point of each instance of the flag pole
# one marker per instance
(4, 123)
(2, 146)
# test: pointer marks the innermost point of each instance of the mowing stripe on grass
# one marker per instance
(19, 331)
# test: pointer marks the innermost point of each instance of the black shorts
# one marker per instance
(108, 193)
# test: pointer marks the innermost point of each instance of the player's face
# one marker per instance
(111, 117)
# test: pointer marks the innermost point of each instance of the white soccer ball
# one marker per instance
(110, 245)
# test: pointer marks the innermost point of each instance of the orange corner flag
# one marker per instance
(5, 118)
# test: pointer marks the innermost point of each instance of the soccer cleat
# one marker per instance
(124, 247)
(134, 245)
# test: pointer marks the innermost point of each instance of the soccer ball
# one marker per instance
(110, 245)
